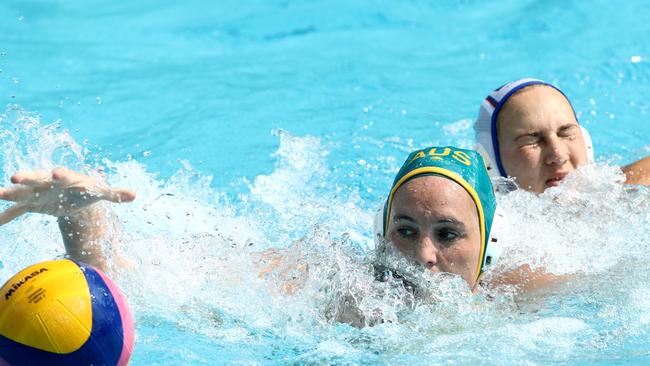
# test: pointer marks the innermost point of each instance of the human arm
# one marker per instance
(289, 271)
(71, 197)
(526, 279)
(638, 172)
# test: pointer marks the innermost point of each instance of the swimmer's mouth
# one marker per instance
(557, 178)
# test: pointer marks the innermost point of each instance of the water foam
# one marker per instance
(196, 258)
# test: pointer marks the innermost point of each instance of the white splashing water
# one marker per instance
(200, 263)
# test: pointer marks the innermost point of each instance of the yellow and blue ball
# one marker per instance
(64, 312)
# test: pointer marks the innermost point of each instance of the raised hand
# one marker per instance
(61, 192)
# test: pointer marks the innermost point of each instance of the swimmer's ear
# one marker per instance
(494, 246)
(589, 145)
(378, 224)
(488, 160)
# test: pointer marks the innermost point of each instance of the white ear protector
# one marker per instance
(494, 248)
(491, 167)
(378, 226)
(588, 144)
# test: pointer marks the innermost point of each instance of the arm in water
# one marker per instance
(288, 272)
(525, 279)
(638, 172)
(69, 196)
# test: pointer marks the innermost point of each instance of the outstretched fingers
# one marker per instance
(31, 178)
(15, 194)
(63, 176)
(119, 195)
(12, 212)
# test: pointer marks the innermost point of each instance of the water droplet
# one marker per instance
(99, 100)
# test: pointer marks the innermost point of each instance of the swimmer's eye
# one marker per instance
(569, 136)
(569, 132)
(406, 232)
(448, 235)
(529, 141)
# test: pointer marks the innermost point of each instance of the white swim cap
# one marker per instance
(485, 129)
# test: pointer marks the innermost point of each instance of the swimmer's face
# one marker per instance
(540, 141)
(434, 222)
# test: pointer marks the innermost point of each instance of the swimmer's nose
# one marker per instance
(557, 154)
(427, 253)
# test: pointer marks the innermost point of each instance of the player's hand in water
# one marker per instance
(61, 192)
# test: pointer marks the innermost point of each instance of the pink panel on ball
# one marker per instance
(127, 320)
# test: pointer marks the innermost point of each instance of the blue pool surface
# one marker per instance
(251, 125)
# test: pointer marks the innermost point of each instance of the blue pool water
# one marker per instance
(252, 125)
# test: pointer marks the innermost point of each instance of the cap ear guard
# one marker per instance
(490, 166)
(589, 145)
(494, 248)
(378, 225)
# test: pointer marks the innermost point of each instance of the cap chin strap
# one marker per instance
(492, 252)
(487, 152)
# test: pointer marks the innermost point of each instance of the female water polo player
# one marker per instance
(70, 197)
(441, 213)
(528, 130)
